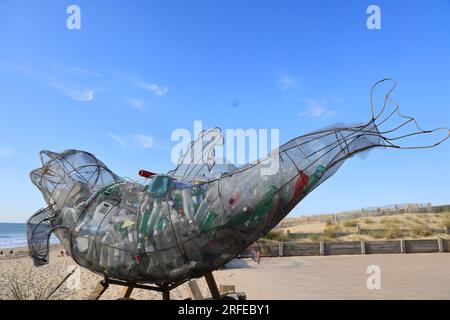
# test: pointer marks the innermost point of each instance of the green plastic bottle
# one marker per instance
(143, 227)
(264, 206)
(206, 225)
(261, 208)
(315, 177)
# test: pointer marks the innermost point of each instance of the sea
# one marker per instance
(13, 235)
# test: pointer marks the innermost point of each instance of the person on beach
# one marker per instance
(253, 255)
(258, 256)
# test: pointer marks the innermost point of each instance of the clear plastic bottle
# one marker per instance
(188, 204)
(154, 216)
(161, 248)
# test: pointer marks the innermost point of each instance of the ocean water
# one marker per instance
(13, 235)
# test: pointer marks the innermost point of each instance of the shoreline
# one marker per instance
(19, 252)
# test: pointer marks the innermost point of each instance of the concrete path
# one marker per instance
(403, 276)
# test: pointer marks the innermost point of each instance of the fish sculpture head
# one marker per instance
(65, 180)
(69, 177)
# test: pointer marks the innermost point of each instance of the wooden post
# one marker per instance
(166, 295)
(363, 247)
(280, 249)
(127, 291)
(212, 285)
(441, 245)
(402, 246)
(227, 288)
(61, 282)
(196, 294)
(98, 291)
(322, 248)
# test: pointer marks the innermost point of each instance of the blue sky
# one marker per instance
(137, 70)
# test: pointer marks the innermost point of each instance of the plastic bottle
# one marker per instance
(154, 268)
(266, 203)
(128, 260)
(82, 244)
(201, 213)
(161, 248)
(154, 216)
(300, 185)
(207, 222)
(143, 226)
(105, 252)
(68, 217)
(315, 177)
(181, 271)
(101, 211)
(174, 250)
(180, 224)
(197, 197)
(90, 256)
(188, 204)
(192, 247)
(260, 209)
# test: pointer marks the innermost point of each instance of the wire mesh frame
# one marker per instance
(356, 132)
(341, 142)
(62, 160)
(179, 244)
(40, 255)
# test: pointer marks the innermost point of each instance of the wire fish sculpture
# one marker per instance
(197, 217)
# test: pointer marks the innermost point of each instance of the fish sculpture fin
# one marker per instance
(394, 128)
(198, 162)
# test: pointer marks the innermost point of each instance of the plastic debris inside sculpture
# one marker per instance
(197, 217)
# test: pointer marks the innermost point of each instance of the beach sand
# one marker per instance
(403, 276)
(19, 265)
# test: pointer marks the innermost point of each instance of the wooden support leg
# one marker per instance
(98, 291)
(212, 286)
(166, 295)
(127, 292)
(196, 294)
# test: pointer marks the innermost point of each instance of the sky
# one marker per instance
(138, 70)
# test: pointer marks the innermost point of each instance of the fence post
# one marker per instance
(322, 248)
(280, 249)
(441, 245)
(363, 247)
(402, 246)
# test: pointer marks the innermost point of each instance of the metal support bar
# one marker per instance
(212, 286)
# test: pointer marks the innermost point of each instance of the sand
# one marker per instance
(403, 276)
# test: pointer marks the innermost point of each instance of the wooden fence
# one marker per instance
(377, 212)
(356, 230)
(322, 248)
